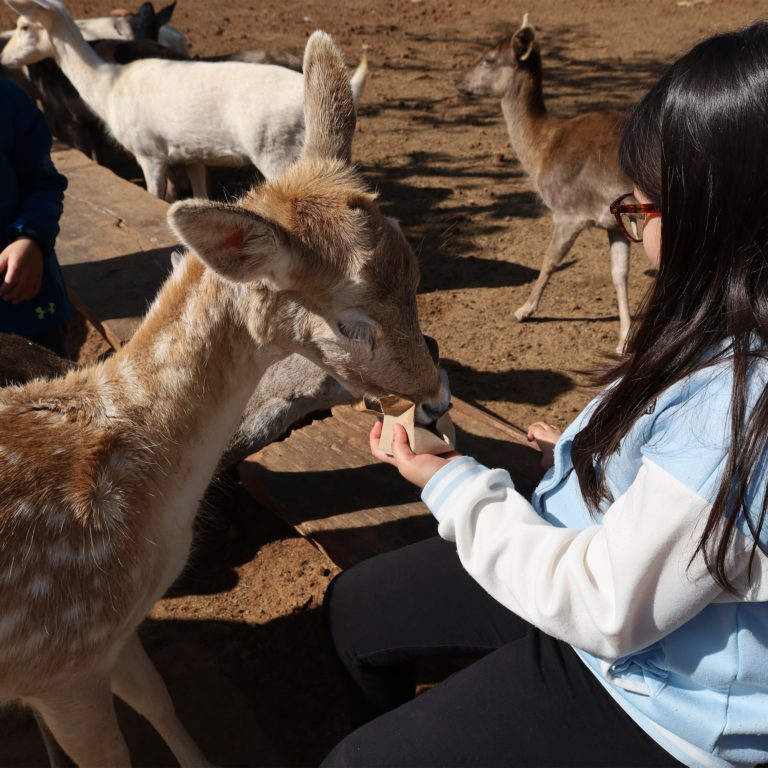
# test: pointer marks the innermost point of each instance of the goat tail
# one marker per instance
(360, 76)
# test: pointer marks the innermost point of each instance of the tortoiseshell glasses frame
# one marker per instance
(632, 217)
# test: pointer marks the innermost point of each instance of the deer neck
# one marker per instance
(90, 74)
(189, 371)
(527, 120)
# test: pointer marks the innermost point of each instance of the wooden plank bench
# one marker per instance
(324, 482)
(114, 245)
(115, 250)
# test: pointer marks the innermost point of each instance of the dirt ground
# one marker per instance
(240, 636)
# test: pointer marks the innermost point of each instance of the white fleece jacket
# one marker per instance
(686, 660)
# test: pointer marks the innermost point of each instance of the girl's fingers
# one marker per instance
(374, 436)
(401, 448)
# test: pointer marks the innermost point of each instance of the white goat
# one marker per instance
(123, 28)
(191, 113)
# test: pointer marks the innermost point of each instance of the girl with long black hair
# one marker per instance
(619, 618)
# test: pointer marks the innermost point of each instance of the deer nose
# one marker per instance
(434, 412)
(462, 88)
(434, 349)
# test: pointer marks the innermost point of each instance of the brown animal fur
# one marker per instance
(573, 163)
(104, 468)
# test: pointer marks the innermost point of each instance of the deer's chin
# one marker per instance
(468, 95)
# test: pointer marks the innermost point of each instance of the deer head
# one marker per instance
(318, 269)
(494, 72)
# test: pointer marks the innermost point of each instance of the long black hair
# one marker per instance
(697, 146)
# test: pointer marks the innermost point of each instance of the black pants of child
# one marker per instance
(528, 700)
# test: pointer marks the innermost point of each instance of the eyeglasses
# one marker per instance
(632, 216)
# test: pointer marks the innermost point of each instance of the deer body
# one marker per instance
(100, 535)
(573, 163)
(305, 263)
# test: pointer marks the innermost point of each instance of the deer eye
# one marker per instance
(489, 60)
(358, 332)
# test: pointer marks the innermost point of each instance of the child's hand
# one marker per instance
(545, 437)
(22, 262)
(418, 469)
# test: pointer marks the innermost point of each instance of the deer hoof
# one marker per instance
(521, 314)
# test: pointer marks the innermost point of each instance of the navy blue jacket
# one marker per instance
(31, 202)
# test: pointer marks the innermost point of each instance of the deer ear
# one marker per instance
(524, 40)
(329, 109)
(234, 242)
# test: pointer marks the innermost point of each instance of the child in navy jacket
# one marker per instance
(33, 299)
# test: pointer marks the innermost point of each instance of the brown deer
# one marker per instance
(103, 468)
(573, 163)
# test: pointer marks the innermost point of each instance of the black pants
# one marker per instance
(528, 700)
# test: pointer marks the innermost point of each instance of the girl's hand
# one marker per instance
(22, 262)
(418, 469)
(545, 437)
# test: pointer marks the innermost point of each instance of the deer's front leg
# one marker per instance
(565, 233)
(81, 718)
(138, 683)
(620, 276)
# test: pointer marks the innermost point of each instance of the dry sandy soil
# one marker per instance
(240, 637)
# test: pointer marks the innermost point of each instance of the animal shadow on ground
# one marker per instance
(536, 386)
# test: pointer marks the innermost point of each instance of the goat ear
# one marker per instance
(39, 12)
(163, 16)
(329, 110)
(142, 22)
(234, 242)
(523, 41)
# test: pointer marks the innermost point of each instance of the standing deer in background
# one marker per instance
(573, 163)
(305, 263)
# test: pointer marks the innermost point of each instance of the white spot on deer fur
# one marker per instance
(21, 510)
(163, 345)
(191, 312)
(100, 550)
(10, 622)
(12, 457)
(10, 575)
(129, 378)
(97, 633)
(174, 379)
(73, 614)
(38, 586)
(60, 553)
(36, 640)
